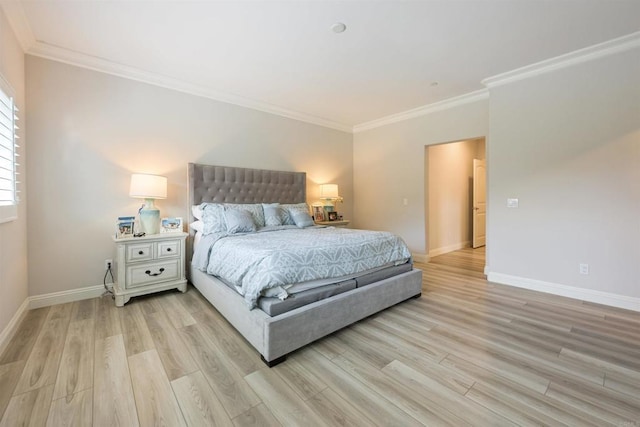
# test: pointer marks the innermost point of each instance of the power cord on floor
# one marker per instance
(104, 281)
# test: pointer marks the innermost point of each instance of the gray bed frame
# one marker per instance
(275, 337)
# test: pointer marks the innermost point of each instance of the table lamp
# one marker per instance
(149, 188)
(329, 193)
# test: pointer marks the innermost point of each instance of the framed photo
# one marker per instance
(318, 213)
(170, 225)
(124, 226)
(333, 216)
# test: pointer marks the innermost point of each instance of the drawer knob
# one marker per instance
(148, 272)
(140, 252)
(168, 249)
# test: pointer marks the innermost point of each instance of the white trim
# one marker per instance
(446, 104)
(10, 330)
(62, 297)
(610, 47)
(450, 248)
(20, 25)
(599, 297)
(102, 65)
(420, 257)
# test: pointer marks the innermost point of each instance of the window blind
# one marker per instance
(8, 154)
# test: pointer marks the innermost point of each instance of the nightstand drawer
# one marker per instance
(139, 252)
(168, 248)
(140, 275)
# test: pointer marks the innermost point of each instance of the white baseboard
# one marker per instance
(46, 300)
(450, 248)
(54, 298)
(420, 257)
(10, 330)
(599, 297)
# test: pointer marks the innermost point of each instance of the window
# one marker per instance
(8, 154)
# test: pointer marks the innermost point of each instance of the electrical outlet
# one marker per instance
(584, 269)
(108, 263)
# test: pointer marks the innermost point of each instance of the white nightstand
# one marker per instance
(339, 223)
(149, 264)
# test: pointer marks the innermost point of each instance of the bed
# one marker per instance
(274, 336)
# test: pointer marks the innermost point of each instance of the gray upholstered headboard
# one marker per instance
(225, 184)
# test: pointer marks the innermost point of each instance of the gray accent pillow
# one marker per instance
(213, 218)
(239, 221)
(274, 214)
(255, 209)
(293, 207)
(302, 219)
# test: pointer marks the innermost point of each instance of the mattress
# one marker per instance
(274, 306)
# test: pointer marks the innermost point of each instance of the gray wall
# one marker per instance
(567, 144)
(13, 235)
(90, 131)
(389, 166)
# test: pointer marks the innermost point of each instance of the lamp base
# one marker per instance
(150, 220)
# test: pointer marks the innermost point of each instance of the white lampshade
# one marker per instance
(329, 191)
(146, 186)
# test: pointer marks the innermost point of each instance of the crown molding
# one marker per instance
(590, 53)
(446, 104)
(17, 18)
(102, 65)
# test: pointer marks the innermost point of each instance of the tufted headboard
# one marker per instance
(225, 184)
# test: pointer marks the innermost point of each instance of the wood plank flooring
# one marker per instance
(468, 352)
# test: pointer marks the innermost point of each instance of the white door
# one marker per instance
(479, 203)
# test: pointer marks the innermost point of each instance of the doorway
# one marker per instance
(451, 222)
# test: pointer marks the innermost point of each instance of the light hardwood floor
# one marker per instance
(468, 352)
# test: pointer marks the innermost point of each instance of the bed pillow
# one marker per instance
(213, 218)
(239, 221)
(274, 214)
(196, 211)
(302, 219)
(197, 226)
(255, 209)
(293, 207)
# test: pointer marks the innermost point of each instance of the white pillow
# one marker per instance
(197, 226)
(196, 211)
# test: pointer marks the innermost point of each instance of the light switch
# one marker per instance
(512, 203)
(405, 202)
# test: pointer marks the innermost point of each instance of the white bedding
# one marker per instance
(256, 262)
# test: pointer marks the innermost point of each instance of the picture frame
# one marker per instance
(333, 216)
(171, 225)
(124, 226)
(318, 213)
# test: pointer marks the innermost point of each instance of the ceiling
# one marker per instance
(283, 57)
